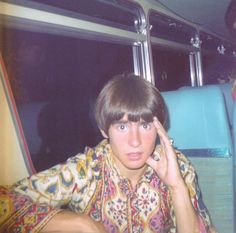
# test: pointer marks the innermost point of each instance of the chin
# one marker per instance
(136, 166)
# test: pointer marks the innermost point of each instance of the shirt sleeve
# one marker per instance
(19, 214)
(190, 178)
(53, 186)
(30, 203)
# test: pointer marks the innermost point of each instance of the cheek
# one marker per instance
(152, 135)
(116, 139)
(150, 139)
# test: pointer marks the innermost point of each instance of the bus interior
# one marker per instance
(56, 55)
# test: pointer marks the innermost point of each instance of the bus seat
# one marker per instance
(29, 114)
(198, 119)
(200, 128)
(234, 134)
(226, 90)
(234, 161)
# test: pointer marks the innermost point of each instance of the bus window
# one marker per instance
(165, 27)
(171, 68)
(218, 69)
(122, 14)
(54, 80)
(171, 42)
(218, 60)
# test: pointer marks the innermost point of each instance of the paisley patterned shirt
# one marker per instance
(90, 183)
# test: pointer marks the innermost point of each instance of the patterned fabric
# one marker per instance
(19, 215)
(145, 208)
(90, 183)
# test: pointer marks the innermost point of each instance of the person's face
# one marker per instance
(131, 143)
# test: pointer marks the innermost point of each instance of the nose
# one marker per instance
(134, 139)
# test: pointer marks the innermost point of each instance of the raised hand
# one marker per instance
(167, 166)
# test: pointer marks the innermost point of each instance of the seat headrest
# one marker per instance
(198, 118)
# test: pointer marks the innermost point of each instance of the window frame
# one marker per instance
(29, 19)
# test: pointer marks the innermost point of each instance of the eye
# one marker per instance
(146, 125)
(122, 127)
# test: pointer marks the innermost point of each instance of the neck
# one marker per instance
(133, 175)
(134, 178)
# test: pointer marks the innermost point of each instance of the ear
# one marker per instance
(103, 133)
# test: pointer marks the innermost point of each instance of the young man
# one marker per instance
(127, 183)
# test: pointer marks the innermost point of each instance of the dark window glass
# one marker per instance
(218, 60)
(168, 28)
(120, 13)
(209, 42)
(218, 68)
(55, 81)
(171, 68)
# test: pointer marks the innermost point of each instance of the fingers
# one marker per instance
(164, 138)
(151, 162)
(154, 163)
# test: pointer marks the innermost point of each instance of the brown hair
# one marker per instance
(132, 95)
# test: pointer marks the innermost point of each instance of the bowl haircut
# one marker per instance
(131, 95)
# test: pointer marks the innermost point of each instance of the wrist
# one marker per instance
(179, 190)
(178, 187)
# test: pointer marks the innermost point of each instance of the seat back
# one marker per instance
(198, 119)
(200, 128)
(226, 90)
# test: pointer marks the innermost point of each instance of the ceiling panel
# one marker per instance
(207, 13)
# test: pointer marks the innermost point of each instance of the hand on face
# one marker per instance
(167, 166)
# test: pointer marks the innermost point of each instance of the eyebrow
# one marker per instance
(120, 122)
(127, 121)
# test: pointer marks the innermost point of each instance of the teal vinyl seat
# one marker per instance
(234, 134)
(199, 121)
(199, 125)
(226, 90)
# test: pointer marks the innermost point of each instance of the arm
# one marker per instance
(169, 171)
(19, 212)
(67, 221)
(190, 178)
(186, 217)
(40, 197)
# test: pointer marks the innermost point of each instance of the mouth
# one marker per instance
(134, 156)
